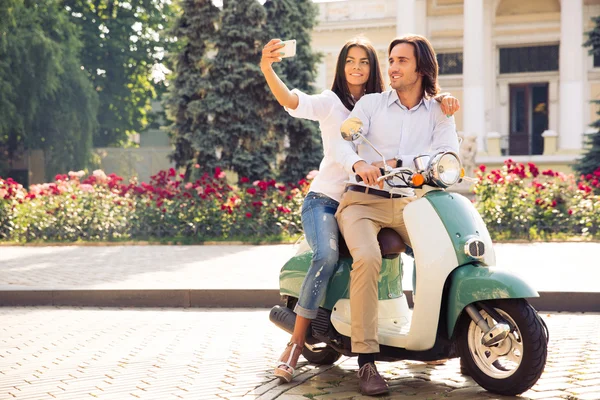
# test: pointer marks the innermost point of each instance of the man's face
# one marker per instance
(402, 68)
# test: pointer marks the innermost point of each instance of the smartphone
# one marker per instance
(289, 50)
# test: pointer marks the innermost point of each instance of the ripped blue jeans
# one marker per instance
(322, 232)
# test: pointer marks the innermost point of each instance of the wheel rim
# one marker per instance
(501, 360)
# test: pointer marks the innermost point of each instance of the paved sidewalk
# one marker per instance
(228, 275)
(163, 354)
(562, 267)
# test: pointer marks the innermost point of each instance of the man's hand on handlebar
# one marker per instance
(368, 173)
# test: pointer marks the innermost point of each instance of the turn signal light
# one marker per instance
(462, 172)
(418, 180)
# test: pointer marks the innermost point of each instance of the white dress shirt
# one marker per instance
(330, 112)
(397, 131)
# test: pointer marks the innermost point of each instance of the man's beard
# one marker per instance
(405, 87)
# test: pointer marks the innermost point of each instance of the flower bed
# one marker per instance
(516, 202)
(100, 207)
(519, 201)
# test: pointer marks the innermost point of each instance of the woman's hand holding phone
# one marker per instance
(276, 50)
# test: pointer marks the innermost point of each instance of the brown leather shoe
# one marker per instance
(370, 382)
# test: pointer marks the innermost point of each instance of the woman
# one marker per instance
(357, 73)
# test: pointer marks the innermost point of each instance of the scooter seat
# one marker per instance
(390, 244)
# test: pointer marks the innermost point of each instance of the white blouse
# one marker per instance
(330, 112)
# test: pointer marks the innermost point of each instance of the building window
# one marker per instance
(528, 59)
(450, 63)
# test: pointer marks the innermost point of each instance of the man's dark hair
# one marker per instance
(427, 64)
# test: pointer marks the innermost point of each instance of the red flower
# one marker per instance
(553, 204)
(248, 215)
(482, 168)
(244, 180)
(281, 188)
(570, 212)
(172, 172)
(251, 191)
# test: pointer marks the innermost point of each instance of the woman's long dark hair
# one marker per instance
(340, 84)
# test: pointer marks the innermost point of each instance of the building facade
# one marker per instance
(518, 67)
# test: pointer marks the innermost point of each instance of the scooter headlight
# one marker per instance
(445, 169)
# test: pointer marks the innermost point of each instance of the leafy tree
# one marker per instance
(289, 19)
(124, 42)
(236, 103)
(591, 158)
(46, 101)
(196, 31)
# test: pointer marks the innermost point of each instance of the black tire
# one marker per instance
(532, 360)
(321, 355)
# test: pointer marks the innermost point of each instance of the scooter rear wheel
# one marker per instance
(514, 365)
(320, 354)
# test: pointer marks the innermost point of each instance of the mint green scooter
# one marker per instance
(464, 306)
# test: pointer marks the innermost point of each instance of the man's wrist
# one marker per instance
(356, 164)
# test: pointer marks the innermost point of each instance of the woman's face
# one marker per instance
(357, 67)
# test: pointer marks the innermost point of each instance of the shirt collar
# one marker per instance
(393, 97)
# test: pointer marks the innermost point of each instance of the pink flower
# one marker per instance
(86, 188)
(196, 166)
(189, 185)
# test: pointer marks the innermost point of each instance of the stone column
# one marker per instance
(571, 59)
(411, 17)
(474, 72)
(405, 17)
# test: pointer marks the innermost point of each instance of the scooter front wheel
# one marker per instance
(513, 365)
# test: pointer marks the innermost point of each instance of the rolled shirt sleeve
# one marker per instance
(316, 107)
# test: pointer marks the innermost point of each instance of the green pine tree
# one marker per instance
(189, 131)
(289, 19)
(237, 102)
(591, 157)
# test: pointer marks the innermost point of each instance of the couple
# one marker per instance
(402, 123)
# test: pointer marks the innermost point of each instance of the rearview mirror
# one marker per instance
(351, 129)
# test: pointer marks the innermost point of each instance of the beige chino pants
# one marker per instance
(360, 217)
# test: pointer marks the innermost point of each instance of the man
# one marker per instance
(401, 123)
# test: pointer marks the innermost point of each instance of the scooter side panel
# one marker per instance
(293, 272)
(471, 283)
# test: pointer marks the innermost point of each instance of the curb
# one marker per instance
(233, 298)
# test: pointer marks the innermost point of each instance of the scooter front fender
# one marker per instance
(470, 283)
